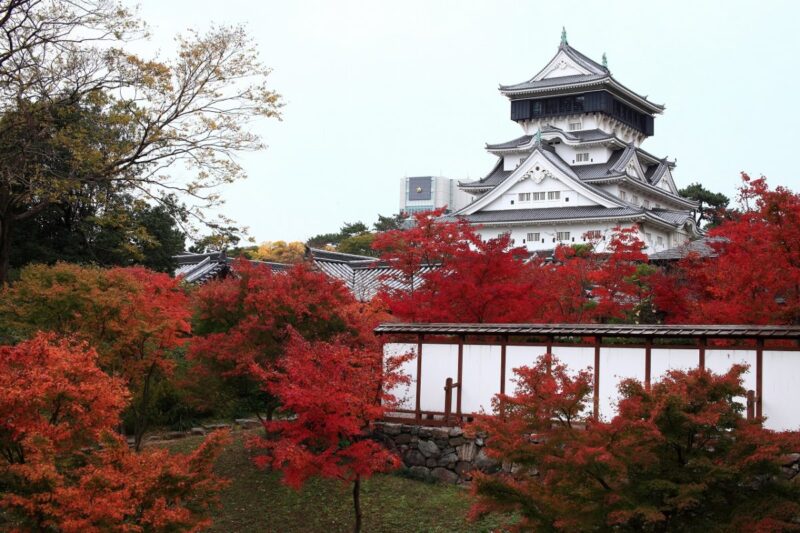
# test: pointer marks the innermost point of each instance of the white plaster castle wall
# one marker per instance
(481, 374)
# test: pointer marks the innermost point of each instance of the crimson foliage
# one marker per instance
(677, 457)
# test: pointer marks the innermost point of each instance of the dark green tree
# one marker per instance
(390, 223)
(120, 231)
(711, 210)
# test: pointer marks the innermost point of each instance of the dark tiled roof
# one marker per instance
(597, 74)
(492, 179)
(607, 330)
(580, 136)
(589, 135)
(703, 247)
(328, 255)
(205, 268)
(519, 141)
(554, 82)
(552, 213)
(673, 217)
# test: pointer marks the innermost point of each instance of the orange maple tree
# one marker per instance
(133, 317)
(62, 468)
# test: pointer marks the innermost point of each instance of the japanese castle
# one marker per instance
(579, 170)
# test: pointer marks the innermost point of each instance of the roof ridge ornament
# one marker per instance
(605, 61)
(564, 36)
(537, 138)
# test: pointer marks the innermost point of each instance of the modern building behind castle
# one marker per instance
(426, 193)
(578, 170)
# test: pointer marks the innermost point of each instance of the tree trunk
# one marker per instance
(357, 504)
(5, 248)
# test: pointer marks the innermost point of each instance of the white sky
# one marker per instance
(378, 90)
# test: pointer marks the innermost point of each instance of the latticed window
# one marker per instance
(562, 236)
(554, 195)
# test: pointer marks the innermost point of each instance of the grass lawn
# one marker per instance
(256, 501)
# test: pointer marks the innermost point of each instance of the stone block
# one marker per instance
(428, 448)
(403, 438)
(444, 475)
(455, 432)
(448, 459)
(485, 463)
(198, 431)
(414, 458)
(440, 433)
(419, 472)
(457, 441)
(391, 429)
(431, 462)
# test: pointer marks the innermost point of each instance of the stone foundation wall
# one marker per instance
(442, 454)
(447, 455)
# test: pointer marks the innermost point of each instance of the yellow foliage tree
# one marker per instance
(280, 251)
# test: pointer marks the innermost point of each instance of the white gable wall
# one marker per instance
(510, 199)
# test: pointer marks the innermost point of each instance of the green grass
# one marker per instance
(256, 501)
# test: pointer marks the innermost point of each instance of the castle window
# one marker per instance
(635, 199)
(660, 241)
(575, 126)
(562, 236)
(533, 236)
(538, 196)
(648, 237)
(593, 235)
(582, 157)
(554, 195)
(623, 195)
(524, 197)
(647, 204)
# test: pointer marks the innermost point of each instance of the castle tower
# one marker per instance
(579, 171)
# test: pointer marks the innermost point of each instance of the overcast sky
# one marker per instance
(379, 90)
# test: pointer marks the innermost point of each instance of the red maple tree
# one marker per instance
(62, 468)
(678, 456)
(332, 393)
(476, 280)
(754, 277)
(242, 324)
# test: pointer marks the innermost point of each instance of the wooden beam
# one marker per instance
(759, 377)
(596, 392)
(701, 343)
(503, 347)
(460, 373)
(648, 361)
(417, 408)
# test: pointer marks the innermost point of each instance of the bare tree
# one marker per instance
(78, 108)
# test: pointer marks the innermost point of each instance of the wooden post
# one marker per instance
(701, 342)
(448, 398)
(460, 373)
(596, 392)
(751, 402)
(503, 343)
(419, 378)
(759, 377)
(648, 361)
